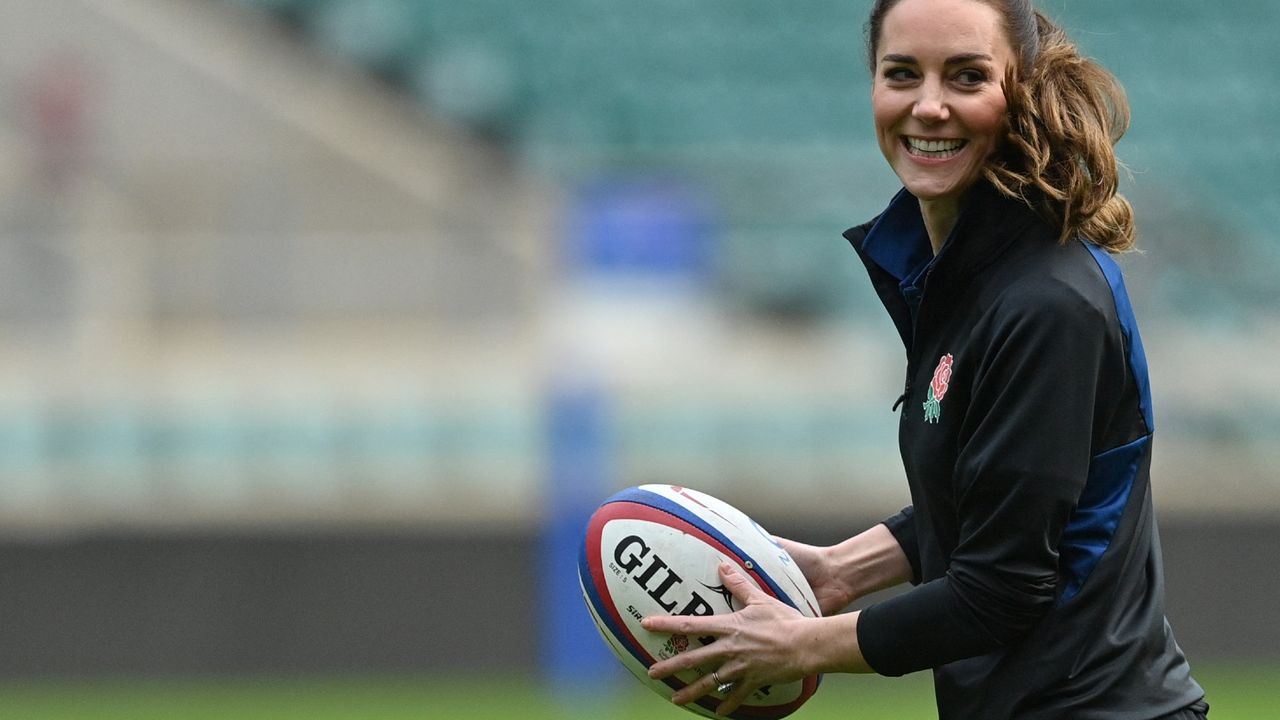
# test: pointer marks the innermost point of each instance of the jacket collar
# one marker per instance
(897, 242)
(895, 245)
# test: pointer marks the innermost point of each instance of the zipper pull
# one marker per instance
(901, 399)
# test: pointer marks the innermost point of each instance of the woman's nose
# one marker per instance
(931, 106)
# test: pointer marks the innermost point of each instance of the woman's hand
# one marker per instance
(841, 574)
(832, 592)
(765, 643)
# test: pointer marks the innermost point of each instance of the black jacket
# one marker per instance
(1025, 431)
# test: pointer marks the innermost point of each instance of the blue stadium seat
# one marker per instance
(742, 95)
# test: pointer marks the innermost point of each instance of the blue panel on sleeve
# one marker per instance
(1094, 523)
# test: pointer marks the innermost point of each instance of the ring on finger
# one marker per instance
(722, 686)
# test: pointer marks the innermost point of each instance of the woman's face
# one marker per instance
(938, 95)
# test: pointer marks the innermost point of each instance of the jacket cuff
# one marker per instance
(911, 632)
(903, 528)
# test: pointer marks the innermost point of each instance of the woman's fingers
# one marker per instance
(744, 591)
(735, 698)
(703, 657)
(701, 687)
(716, 661)
(691, 625)
(701, 626)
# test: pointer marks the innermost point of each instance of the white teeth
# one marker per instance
(945, 147)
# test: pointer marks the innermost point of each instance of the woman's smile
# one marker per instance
(938, 149)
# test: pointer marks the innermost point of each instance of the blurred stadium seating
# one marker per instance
(765, 103)
(205, 225)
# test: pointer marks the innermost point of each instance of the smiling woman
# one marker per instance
(1026, 424)
(938, 101)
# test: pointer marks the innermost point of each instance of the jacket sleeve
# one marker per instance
(1023, 456)
(903, 528)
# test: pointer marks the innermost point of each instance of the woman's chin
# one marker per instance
(931, 189)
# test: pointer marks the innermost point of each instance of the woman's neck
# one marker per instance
(939, 218)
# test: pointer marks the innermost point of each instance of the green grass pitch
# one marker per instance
(1246, 692)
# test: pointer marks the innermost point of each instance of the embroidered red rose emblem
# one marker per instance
(938, 389)
(941, 377)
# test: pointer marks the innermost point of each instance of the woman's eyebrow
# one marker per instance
(953, 60)
(968, 58)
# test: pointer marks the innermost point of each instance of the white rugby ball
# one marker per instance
(657, 549)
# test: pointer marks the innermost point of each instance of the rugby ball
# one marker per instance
(657, 549)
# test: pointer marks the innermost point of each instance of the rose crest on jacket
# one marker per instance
(938, 389)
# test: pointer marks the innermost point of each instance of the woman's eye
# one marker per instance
(971, 77)
(898, 74)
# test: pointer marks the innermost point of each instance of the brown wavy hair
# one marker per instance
(1066, 113)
